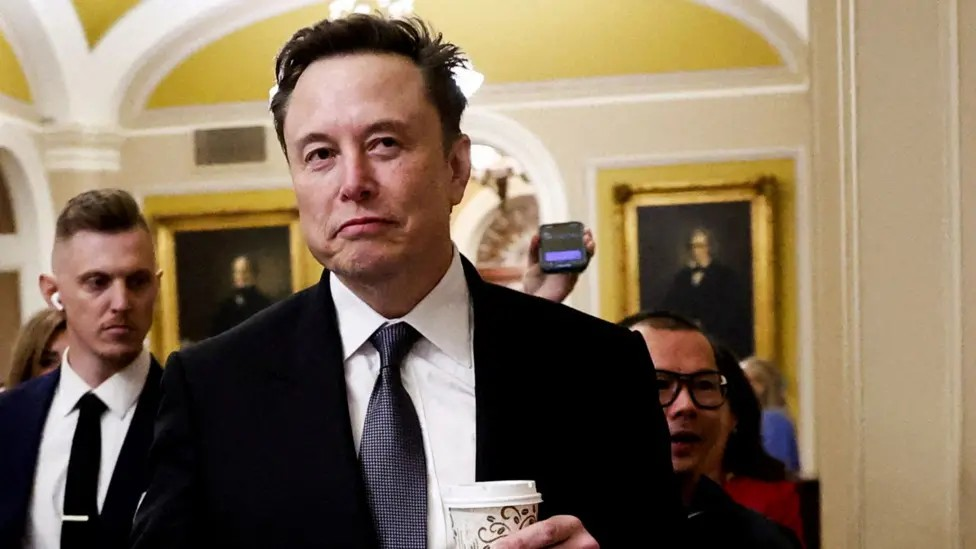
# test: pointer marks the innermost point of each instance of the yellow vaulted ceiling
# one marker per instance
(13, 82)
(98, 16)
(508, 40)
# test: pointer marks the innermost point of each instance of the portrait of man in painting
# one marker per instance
(697, 260)
(226, 276)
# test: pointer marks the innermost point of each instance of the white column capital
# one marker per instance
(79, 148)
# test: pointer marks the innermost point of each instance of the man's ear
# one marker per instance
(459, 159)
(49, 289)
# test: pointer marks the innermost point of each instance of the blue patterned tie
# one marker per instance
(391, 452)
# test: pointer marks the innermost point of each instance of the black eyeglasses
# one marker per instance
(707, 389)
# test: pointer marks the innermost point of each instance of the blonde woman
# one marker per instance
(778, 432)
(39, 347)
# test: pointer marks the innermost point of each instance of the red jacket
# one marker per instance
(779, 501)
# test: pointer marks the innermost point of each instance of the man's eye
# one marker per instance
(384, 144)
(319, 154)
(96, 282)
(140, 281)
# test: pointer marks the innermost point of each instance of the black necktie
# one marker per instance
(79, 523)
(391, 452)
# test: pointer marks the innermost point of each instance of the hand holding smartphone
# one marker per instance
(561, 248)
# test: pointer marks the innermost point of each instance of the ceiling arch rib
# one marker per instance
(134, 61)
(771, 24)
(98, 16)
(46, 37)
(794, 12)
(762, 20)
(156, 35)
(133, 41)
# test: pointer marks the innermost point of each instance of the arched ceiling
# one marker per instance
(13, 81)
(82, 62)
(97, 16)
(508, 40)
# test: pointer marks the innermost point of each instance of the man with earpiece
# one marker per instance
(74, 442)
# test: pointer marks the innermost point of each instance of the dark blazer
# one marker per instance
(254, 446)
(721, 304)
(23, 411)
(718, 521)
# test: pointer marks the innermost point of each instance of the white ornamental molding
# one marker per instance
(82, 149)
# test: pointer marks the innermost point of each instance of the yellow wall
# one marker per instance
(98, 16)
(785, 240)
(525, 42)
(13, 82)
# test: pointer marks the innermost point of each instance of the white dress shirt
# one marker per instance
(437, 373)
(120, 393)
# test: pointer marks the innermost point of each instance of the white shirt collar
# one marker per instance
(442, 317)
(119, 392)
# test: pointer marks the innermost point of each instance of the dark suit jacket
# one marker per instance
(721, 304)
(718, 521)
(254, 446)
(23, 411)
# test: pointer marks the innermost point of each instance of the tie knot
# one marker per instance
(91, 404)
(393, 342)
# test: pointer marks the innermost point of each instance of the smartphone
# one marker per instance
(561, 248)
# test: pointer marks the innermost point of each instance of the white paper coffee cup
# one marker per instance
(481, 513)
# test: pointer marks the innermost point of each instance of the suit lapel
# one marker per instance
(314, 407)
(317, 362)
(496, 450)
(129, 478)
(21, 428)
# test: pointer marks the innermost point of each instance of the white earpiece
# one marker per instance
(56, 301)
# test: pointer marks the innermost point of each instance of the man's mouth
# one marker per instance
(683, 443)
(118, 329)
(363, 225)
(685, 437)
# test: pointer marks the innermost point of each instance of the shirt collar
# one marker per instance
(119, 392)
(442, 317)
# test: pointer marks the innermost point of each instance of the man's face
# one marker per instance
(373, 183)
(243, 275)
(108, 285)
(698, 435)
(700, 249)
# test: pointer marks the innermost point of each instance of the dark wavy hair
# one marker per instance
(744, 452)
(411, 38)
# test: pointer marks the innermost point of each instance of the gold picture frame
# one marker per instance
(634, 204)
(175, 217)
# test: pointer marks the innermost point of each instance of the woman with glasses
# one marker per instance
(728, 480)
(39, 347)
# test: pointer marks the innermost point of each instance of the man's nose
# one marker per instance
(357, 177)
(121, 298)
(683, 404)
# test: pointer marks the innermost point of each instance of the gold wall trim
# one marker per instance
(167, 215)
(760, 193)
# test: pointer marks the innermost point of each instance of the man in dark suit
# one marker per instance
(712, 294)
(336, 417)
(244, 301)
(75, 441)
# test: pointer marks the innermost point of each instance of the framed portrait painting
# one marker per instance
(223, 264)
(703, 250)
